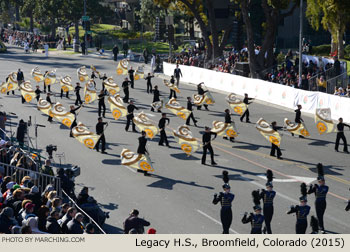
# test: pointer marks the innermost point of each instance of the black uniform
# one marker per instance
(125, 86)
(189, 107)
(131, 77)
(226, 209)
(275, 147)
(67, 93)
(298, 119)
(246, 113)
(206, 139)
(37, 92)
(268, 209)
(49, 100)
(101, 104)
(163, 136)
(340, 135)
(74, 123)
(130, 116)
(103, 78)
(256, 221)
(102, 139)
(228, 120)
(172, 92)
(177, 73)
(156, 98)
(149, 84)
(77, 93)
(142, 145)
(301, 213)
(320, 202)
(201, 91)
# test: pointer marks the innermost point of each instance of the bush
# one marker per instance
(322, 50)
(347, 50)
(2, 47)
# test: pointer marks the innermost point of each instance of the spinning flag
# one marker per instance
(122, 67)
(27, 91)
(11, 83)
(137, 161)
(90, 94)
(37, 75)
(44, 106)
(266, 130)
(199, 100)
(224, 129)
(93, 68)
(111, 86)
(187, 142)
(50, 78)
(82, 74)
(158, 105)
(61, 114)
(323, 120)
(66, 84)
(117, 107)
(139, 74)
(172, 86)
(238, 106)
(145, 124)
(296, 128)
(85, 136)
(176, 108)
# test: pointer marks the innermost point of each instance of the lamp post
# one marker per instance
(85, 35)
(301, 43)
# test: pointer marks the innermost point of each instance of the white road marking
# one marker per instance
(306, 180)
(133, 170)
(216, 221)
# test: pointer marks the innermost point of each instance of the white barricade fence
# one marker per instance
(265, 91)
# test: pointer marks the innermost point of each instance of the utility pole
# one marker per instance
(301, 43)
(85, 35)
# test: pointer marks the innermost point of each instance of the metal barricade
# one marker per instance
(39, 179)
(338, 81)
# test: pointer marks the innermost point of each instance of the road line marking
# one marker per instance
(216, 221)
(133, 170)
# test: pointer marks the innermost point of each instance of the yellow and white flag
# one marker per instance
(44, 106)
(323, 120)
(238, 106)
(268, 132)
(137, 161)
(66, 83)
(111, 86)
(50, 78)
(224, 129)
(209, 99)
(82, 75)
(37, 75)
(85, 136)
(187, 142)
(296, 128)
(117, 107)
(27, 91)
(176, 108)
(158, 105)
(60, 113)
(122, 67)
(139, 73)
(145, 124)
(11, 83)
(172, 86)
(93, 69)
(90, 92)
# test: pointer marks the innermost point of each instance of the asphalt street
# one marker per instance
(177, 197)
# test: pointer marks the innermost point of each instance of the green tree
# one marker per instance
(333, 16)
(149, 11)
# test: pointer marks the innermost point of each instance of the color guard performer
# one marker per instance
(142, 149)
(100, 131)
(246, 113)
(161, 126)
(201, 91)
(101, 103)
(131, 107)
(228, 120)
(340, 135)
(74, 123)
(206, 139)
(189, 107)
(274, 147)
(77, 93)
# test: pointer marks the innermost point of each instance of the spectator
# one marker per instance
(66, 218)
(74, 226)
(34, 196)
(52, 225)
(56, 204)
(50, 198)
(322, 84)
(2, 125)
(115, 52)
(28, 212)
(43, 214)
(133, 221)
(336, 91)
(26, 230)
(6, 220)
(89, 229)
(21, 131)
(32, 222)
(47, 169)
(64, 210)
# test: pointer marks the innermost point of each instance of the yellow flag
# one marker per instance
(323, 120)
(117, 107)
(66, 84)
(137, 161)
(224, 129)
(11, 83)
(50, 78)
(82, 74)
(111, 86)
(176, 108)
(209, 98)
(266, 130)
(90, 93)
(122, 67)
(238, 106)
(37, 75)
(93, 68)
(139, 74)
(61, 114)
(3, 87)
(296, 128)
(157, 105)
(85, 136)
(44, 106)
(27, 91)
(145, 124)
(172, 86)
(187, 142)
